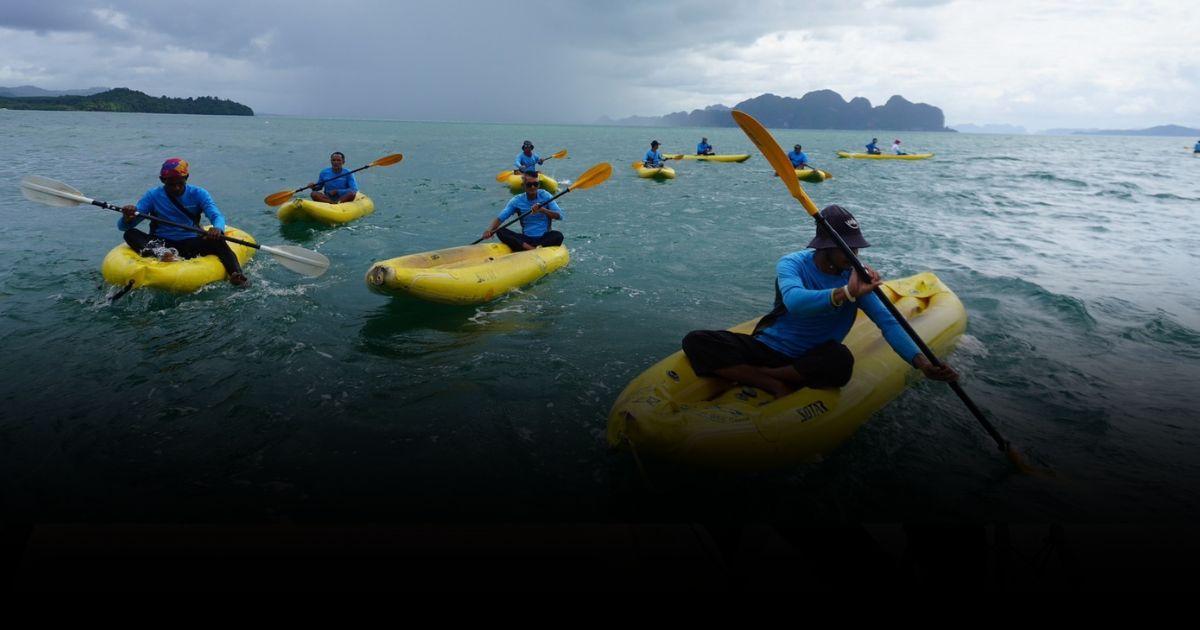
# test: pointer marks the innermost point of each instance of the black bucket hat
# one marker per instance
(527, 145)
(844, 224)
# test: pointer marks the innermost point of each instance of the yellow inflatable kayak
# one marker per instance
(883, 156)
(122, 265)
(811, 175)
(732, 157)
(327, 213)
(664, 172)
(470, 274)
(670, 413)
(516, 182)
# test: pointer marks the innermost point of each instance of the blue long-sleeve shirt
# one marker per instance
(337, 184)
(526, 162)
(812, 319)
(703, 148)
(653, 159)
(873, 148)
(1196, 148)
(798, 158)
(534, 225)
(156, 203)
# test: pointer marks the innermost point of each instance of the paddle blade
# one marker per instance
(503, 176)
(560, 154)
(388, 160)
(50, 192)
(279, 198)
(303, 261)
(775, 156)
(636, 165)
(593, 176)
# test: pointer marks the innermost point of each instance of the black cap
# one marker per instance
(844, 224)
(654, 142)
(796, 146)
(527, 145)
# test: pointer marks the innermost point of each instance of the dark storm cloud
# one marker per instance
(42, 17)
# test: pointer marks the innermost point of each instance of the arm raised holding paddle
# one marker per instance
(540, 203)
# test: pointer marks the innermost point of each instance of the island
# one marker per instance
(822, 109)
(127, 100)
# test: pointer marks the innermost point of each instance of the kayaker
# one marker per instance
(1196, 149)
(177, 201)
(337, 184)
(653, 158)
(799, 158)
(527, 159)
(536, 218)
(896, 147)
(799, 343)
(704, 148)
(873, 148)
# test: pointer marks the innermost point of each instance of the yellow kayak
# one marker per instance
(664, 172)
(516, 182)
(732, 157)
(811, 175)
(327, 213)
(122, 265)
(670, 413)
(471, 274)
(883, 156)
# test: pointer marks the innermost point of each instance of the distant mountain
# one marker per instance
(30, 90)
(822, 109)
(990, 128)
(1161, 130)
(126, 100)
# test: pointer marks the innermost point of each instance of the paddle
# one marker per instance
(55, 193)
(641, 164)
(592, 177)
(783, 168)
(283, 196)
(504, 175)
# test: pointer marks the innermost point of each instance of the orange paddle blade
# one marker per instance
(388, 160)
(279, 198)
(559, 155)
(593, 176)
(775, 155)
(503, 176)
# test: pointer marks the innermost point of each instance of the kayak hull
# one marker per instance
(123, 265)
(884, 156)
(665, 172)
(814, 176)
(738, 157)
(516, 183)
(669, 413)
(471, 274)
(327, 213)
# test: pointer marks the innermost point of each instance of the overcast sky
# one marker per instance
(1036, 63)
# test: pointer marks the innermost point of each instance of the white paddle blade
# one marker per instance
(303, 261)
(50, 192)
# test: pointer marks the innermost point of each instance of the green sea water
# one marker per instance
(299, 398)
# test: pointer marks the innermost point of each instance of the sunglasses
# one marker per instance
(531, 184)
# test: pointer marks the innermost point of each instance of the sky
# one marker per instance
(1039, 64)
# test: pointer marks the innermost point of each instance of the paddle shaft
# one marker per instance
(314, 186)
(182, 226)
(925, 349)
(522, 216)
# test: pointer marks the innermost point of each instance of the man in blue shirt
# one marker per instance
(653, 158)
(1196, 149)
(527, 160)
(704, 148)
(177, 201)
(799, 158)
(799, 343)
(873, 148)
(337, 184)
(536, 217)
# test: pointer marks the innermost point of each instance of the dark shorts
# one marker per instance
(515, 239)
(827, 365)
